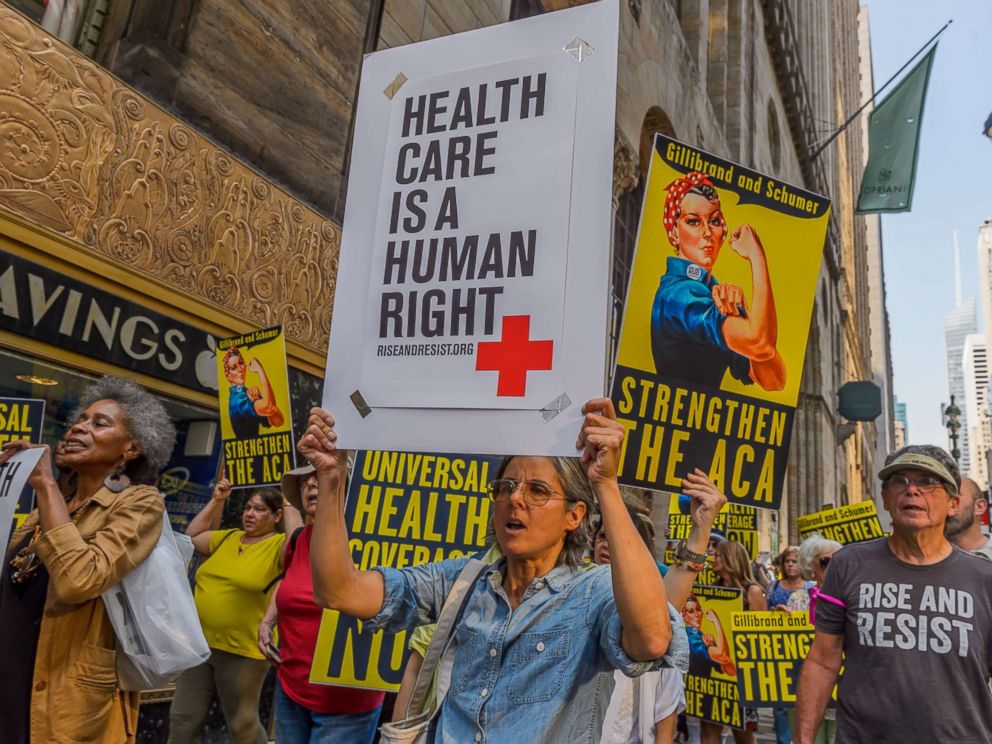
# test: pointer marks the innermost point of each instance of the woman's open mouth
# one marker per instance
(515, 526)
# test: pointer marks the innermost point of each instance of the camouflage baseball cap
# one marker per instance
(926, 457)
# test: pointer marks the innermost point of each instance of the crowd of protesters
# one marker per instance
(563, 629)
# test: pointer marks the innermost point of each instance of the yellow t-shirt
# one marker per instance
(229, 586)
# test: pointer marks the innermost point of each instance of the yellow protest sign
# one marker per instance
(715, 324)
(846, 524)
(769, 650)
(735, 522)
(255, 421)
(403, 509)
(711, 684)
(21, 418)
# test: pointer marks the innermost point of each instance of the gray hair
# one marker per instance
(575, 482)
(146, 420)
(812, 548)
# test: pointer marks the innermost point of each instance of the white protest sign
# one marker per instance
(13, 477)
(472, 291)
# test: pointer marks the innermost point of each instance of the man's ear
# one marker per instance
(981, 506)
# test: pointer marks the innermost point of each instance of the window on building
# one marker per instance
(76, 22)
(525, 9)
(774, 137)
(185, 480)
(625, 223)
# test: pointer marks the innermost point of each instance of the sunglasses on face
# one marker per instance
(824, 561)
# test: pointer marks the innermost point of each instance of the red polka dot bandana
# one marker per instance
(677, 190)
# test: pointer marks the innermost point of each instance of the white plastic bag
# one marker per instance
(155, 619)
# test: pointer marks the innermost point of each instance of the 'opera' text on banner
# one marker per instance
(472, 287)
(769, 650)
(21, 418)
(255, 422)
(711, 683)
(851, 523)
(403, 509)
(715, 324)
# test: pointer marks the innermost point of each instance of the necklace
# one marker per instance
(242, 545)
(25, 563)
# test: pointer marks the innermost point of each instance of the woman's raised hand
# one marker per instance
(222, 489)
(707, 499)
(318, 445)
(42, 472)
(601, 440)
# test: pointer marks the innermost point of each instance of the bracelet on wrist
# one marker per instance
(689, 559)
(689, 565)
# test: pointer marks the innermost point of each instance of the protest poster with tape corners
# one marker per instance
(850, 523)
(403, 509)
(472, 292)
(255, 414)
(20, 418)
(715, 324)
(711, 683)
(769, 651)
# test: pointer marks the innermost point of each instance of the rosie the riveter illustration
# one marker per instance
(249, 407)
(707, 651)
(699, 327)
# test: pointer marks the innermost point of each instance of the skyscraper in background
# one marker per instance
(901, 424)
(985, 277)
(975, 368)
(958, 323)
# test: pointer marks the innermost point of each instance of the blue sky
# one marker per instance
(953, 191)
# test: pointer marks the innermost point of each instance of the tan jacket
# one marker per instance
(74, 695)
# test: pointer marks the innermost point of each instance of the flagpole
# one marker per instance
(875, 95)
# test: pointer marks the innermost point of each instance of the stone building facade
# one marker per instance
(246, 110)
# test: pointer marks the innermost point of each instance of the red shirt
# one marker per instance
(299, 621)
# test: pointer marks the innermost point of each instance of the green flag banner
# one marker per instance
(893, 144)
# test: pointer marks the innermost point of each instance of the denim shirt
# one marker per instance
(540, 673)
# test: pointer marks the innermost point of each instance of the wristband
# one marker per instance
(689, 559)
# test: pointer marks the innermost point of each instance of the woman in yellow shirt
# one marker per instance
(231, 598)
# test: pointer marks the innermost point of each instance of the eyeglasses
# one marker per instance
(535, 493)
(899, 483)
(825, 561)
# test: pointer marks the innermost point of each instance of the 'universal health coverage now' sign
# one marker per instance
(472, 292)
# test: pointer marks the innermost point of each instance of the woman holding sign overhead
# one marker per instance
(700, 328)
(58, 678)
(732, 565)
(232, 592)
(537, 636)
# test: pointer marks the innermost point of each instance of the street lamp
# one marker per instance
(952, 415)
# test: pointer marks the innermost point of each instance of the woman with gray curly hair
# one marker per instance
(539, 635)
(59, 680)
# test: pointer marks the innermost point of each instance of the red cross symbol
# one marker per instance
(513, 356)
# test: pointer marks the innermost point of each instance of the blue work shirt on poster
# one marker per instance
(245, 421)
(542, 672)
(687, 329)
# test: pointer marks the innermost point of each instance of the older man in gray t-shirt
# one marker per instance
(912, 616)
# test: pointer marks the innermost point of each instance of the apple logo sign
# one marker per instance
(206, 365)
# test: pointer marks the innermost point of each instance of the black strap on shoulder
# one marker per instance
(292, 546)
